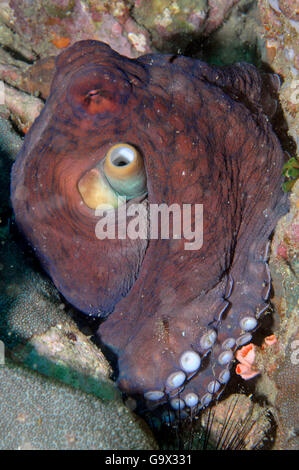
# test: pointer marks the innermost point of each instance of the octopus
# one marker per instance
(119, 133)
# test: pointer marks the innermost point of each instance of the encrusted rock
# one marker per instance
(37, 413)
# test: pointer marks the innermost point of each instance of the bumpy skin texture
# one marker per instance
(205, 140)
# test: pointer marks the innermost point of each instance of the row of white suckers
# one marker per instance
(190, 362)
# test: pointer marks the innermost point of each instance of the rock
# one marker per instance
(52, 25)
(280, 50)
(24, 108)
(173, 24)
(281, 363)
(238, 423)
(235, 423)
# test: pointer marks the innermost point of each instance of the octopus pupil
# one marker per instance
(120, 162)
(93, 93)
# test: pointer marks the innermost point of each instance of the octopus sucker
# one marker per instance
(133, 134)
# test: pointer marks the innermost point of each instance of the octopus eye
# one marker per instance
(121, 174)
(98, 92)
(124, 169)
(99, 101)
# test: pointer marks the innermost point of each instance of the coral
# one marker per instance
(278, 361)
(236, 40)
(166, 19)
(270, 341)
(291, 173)
(38, 413)
(251, 357)
(281, 51)
(10, 144)
(246, 358)
(172, 24)
(14, 41)
(279, 364)
(23, 107)
(286, 241)
(63, 352)
(218, 11)
(126, 25)
(49, 26)
(36, 80)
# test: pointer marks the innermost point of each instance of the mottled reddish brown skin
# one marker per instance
(205, 139)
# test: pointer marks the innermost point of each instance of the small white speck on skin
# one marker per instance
(183, 173)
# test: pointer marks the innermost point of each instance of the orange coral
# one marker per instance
(60, 42)
(246, 357)
(270, 340)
